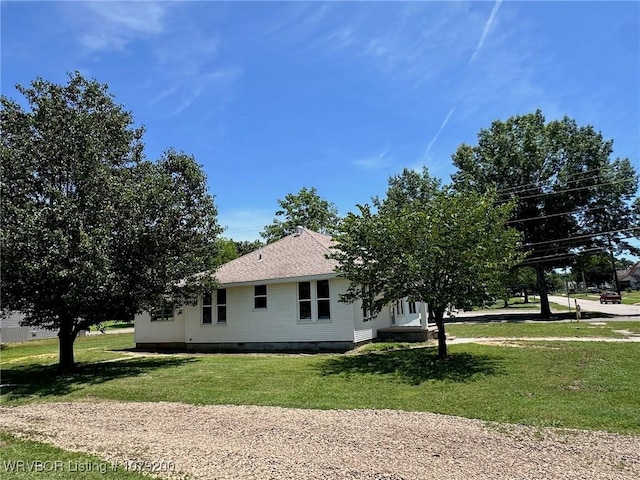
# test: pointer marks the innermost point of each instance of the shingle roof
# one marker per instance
(632, 271)
(297, 255)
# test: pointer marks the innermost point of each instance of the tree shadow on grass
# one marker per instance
(415, 366)
(24, 382)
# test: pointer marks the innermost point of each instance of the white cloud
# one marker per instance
(112, 25)
(190, 89)
(374, 162)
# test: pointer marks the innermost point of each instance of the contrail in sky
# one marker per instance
(444, 124)
(487, 29)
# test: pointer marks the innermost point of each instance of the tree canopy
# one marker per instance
(307, 209)
(569, 196)
(428, 243)
(91, 231)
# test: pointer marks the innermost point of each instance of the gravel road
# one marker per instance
(249, 442)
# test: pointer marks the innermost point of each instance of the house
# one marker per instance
(629, 278)
(282, 297)
(11, 329)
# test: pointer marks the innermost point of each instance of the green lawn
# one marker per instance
(541, 329)
(565, 384)
(26, 459)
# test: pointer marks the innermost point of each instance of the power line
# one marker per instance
(558, 256)
(579, 237)
(564, 191)
(551, 215)
(538, 183)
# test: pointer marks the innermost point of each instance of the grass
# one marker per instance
(564, 384)
(26, 459)
(517, 303)
(541, 329)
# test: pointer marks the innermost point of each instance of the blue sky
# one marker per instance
(274, 96)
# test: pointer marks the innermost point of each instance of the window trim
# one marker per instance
(210, 302)
(163, 309)
(223, 305)
(260, 296)
(314, 301)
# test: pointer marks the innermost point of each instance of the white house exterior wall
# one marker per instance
(367, 331)
(278, 323)
(165, 332)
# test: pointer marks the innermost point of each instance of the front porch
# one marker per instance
(408, 333)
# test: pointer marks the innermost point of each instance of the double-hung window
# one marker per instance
(260, 296)
(219, 298)
(221, 302)
(304, 300)
(314, 302)
(324, 303)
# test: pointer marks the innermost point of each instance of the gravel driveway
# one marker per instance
(249, 442)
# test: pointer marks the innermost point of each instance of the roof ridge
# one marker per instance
(312, 234)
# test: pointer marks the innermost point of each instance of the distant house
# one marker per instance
(282, 297)
(11, 330)
(629, 278)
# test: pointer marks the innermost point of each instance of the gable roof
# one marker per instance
(632, 271)
(300, 254)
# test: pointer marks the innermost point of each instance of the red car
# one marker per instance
(610, 297)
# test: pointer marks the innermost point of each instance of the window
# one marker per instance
(412, 307)
(206, 309)
(314, 303)
(304, 299)
(260, 296)
(163, 314)
(399, 307)
(221, 307)
(324, 311)
(221, 302)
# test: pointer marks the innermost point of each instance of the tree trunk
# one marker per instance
(442, 339)
(506, 302)
(545, 310)
(66, 336)
(526, 296)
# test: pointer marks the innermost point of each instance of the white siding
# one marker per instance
(277, 323)
(147, 331)
(12, 331)
(365, 331)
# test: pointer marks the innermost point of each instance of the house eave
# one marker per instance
(271, 281)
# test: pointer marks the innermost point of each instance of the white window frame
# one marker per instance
(160, 314)
(256, 296)
(210, 302)
(314, 299)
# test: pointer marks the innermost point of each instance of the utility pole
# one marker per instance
(613, 265)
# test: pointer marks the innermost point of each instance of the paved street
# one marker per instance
(595, 306)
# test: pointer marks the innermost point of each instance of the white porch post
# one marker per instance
(424, 316)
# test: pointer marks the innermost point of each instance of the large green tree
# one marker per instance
(593, 268)
(305, 208)
(426, 242)
(90, 230)
(569, 196)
